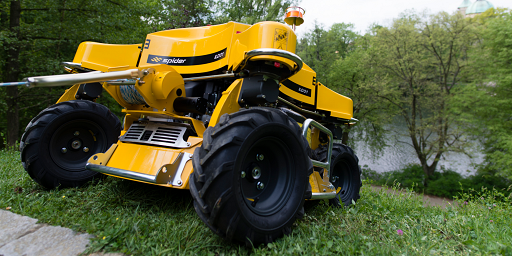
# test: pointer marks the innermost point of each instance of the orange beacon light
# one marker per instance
(294, 16)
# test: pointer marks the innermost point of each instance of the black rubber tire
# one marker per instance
(345, 173)
(221, 195)
(55, 128)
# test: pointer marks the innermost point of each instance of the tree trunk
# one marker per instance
(12, 75)
(426, 170)
(346, 131)
(429, 170)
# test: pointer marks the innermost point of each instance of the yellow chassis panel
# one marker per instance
(101, 57)
(145, 159)
(148, 160)
(301, 86)
(339, 105)
(319, 185)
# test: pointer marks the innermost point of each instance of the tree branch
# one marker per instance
(59, 9)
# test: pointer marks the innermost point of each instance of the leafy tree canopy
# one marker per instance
(486, 103)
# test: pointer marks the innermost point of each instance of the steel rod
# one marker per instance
(297, 108)
(121, 173)
(90, 77)
(325, 195)
(199, 78)
(13, 84)
(327, 164)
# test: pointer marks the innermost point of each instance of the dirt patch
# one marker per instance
(427, 199)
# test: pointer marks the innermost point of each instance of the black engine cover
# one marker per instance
(257, 90)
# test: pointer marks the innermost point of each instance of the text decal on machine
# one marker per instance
(297, 88)
(187, 61)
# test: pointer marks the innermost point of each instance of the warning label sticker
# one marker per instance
(280, 39)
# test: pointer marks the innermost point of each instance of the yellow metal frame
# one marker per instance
(338, 105)
(304, 88)
(148, 159)
(167, 56)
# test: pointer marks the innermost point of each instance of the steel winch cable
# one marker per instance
(131, 95)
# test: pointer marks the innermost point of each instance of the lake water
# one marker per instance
(398, 155)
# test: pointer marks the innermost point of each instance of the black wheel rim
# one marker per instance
(72, 144)
(341, 179)
(267, 181)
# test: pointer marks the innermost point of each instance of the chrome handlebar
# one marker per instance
(275, 52)
(89, 77)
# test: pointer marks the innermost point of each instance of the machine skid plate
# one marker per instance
(155, 165)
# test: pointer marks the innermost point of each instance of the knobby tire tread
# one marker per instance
(320, 154)
(201, 182)
(31, 148)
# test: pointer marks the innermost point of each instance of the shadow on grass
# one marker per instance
(140, 196)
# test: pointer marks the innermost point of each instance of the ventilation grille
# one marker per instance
(134, 132)
(156, 134)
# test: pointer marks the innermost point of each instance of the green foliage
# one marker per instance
(446, 183)
(141, 219)
(320, 48)
(170, 14)
(339, 56)
(486, 179)
(251, 11)
(499, 125)
(350, 76)
(370, 175)
(49, 33)
(411, 176)
(419, 59)
(406, 72)
(486, 103)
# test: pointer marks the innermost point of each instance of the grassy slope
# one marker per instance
(143, 219)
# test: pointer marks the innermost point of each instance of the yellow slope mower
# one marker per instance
(226, 111)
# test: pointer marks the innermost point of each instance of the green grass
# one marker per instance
(140, 219)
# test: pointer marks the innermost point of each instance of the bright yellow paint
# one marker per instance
(318, 184)
(167, 83)
(69, 94)
(339, 105)
(306, 78)
(99, 56)
(235, 38)
(149, 159)
(141, 158)
(228, 103)
(160, 87)
(189, 42)
(268, 34)
(103, 158)
(313, 181)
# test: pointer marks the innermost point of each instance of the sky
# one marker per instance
(362, 13)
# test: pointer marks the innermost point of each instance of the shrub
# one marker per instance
(369, 174)
(445, 184)
(488, 180)
(411, 176)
